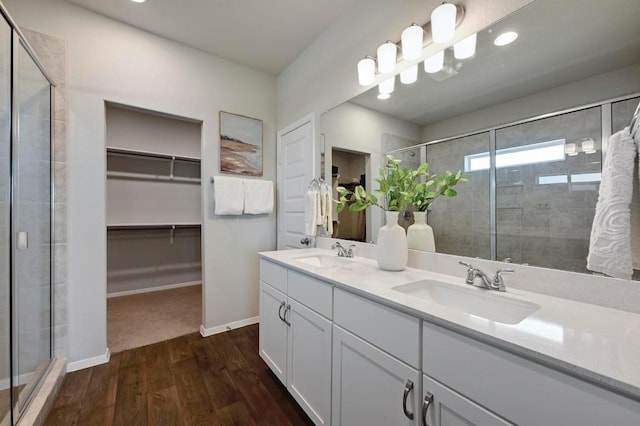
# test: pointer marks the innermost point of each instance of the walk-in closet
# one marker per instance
(154, 266)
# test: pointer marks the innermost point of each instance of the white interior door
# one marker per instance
(295, 171)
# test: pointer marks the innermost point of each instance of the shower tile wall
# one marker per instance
(409, 157)
(548, 224)
(51, 53)
(461, 225)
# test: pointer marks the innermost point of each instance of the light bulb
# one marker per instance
(410, 75)
(412, 39)
(466, 47)
(387, 57)
(570, 149)
(384, 96)
(434, 63)
(387, 86)
(443, 23)
(588, 146)
(366, 71)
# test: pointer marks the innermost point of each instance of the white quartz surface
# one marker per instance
(593, 342)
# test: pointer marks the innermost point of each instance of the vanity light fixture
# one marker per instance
(138, 1)
(366, 71)
(387, 57)
(571, 149)
(384, 96)
(466, 47)
(443, 22)
(588, 146)
(505, 38)
(412, 40)
(410, 75)
(434, 63)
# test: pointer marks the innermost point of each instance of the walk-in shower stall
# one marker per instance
(26, 222)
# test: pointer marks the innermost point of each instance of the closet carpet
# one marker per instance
(142, 319)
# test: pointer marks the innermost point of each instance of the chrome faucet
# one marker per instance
(485, 282)
(342, 252)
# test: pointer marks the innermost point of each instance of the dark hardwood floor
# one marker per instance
(190, 380)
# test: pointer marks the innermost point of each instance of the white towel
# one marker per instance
(258, 196)
(635, 210)
(228, 195)
(610, 243)
(311, 199)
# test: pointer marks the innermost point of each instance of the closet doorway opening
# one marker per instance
(153, 212)
(349, 169)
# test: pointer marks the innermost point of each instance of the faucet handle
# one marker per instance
(350, 250)
(498, 282)
(468, 265)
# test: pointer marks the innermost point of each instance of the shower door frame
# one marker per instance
(19, 403)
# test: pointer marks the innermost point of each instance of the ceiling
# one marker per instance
(559, 42)
(266, 35)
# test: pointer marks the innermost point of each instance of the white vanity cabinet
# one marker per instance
(295, 336)
(512, 387)
(442, 406)
(373, 347)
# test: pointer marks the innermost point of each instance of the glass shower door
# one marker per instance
(5, 215)
(31, 226)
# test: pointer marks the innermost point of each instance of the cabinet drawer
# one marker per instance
(311, 292)
(390, 330)
(521, 391)
(274, 275)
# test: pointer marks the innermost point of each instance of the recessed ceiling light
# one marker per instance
(505, 38)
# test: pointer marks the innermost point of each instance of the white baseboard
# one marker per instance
(205, 332)
(151, 289)
(89, 362)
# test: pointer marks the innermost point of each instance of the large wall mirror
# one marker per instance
(528, 123)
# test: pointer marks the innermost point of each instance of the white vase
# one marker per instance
(392, 244)
(420, 235)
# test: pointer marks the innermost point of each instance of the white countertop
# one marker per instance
(593, 342)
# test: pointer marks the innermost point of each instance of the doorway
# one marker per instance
(349, 170)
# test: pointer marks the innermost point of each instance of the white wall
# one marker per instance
(594, 89)
(107, 60)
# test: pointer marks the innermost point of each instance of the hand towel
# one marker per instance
(310, 213)
(258, 196)
(228, 195)
(635, 208)
(610, 243)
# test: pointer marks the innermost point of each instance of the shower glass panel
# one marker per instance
(31, 227)
(461, 225)
(547, 180)
(5, 215)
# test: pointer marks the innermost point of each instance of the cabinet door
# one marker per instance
(369, 385)
(309, 362)
(273, 330)
(443, 407)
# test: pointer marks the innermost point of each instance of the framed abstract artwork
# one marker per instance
(240, 144)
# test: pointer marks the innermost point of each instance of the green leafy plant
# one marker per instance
(435, 185)
(399, 187)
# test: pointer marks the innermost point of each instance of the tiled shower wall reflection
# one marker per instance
(461, 225)
(51, 53)
(544, 206)
(544, 210)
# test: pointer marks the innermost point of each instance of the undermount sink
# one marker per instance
(323, 260)
(474, 301)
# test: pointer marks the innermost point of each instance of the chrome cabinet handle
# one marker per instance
(305, 241)
(408, 387)
(280, 311)
(428, 399)
(285, 315)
